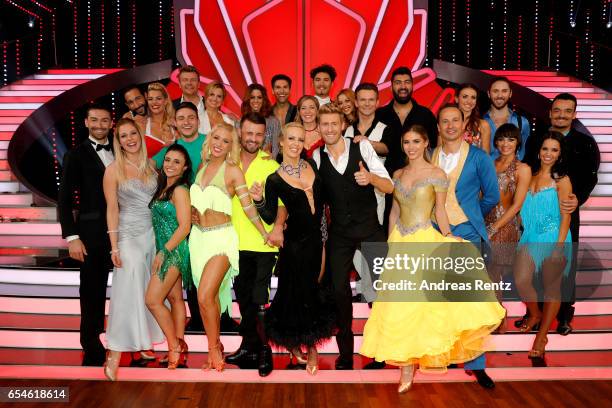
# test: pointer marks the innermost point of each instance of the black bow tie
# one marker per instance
(99, 147)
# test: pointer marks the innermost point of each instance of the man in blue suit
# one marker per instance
(472, 193)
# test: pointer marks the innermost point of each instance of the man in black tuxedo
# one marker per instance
(82, 214)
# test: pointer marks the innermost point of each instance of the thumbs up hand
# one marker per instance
(362, 177)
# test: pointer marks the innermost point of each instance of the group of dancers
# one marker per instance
(184, 196)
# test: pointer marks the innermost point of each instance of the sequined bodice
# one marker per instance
(507, 179)
(540, 212)
(164, 219)
(134, 196)
(417, 203)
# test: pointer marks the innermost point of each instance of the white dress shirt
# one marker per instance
(105, 155)
(368, 154)
(323, 101)
(107, 158)
(448, 162)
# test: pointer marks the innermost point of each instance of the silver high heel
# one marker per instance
(406, 378)
(112, 364)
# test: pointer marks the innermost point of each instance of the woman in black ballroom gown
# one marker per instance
(300, 315)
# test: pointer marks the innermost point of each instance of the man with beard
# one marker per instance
(283, 109)
(582, 160)
(323, 78)
(86, 235)
(401, 113)
(137, 105)
(187, 124)
(499, 113)
(257, 259)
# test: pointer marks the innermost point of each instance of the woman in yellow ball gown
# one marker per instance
(429, 334)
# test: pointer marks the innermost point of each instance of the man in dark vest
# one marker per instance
(351, 172)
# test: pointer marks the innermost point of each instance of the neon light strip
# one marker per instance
(30, 93)
(247, 38)
(359, 19)
(60, 306)
(232, 34)
(399, 45)
(174, 75)
(198, 343)
(371, 41)
(423, 47)
(454, 375)
(212, 53)
(74, 76)
(562, 89)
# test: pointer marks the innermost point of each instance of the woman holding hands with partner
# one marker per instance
(213, 242)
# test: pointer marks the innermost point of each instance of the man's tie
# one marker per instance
(99, 147)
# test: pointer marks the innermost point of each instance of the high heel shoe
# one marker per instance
(531, 323)
(406, 378)
(312, 367)
(538, 352)
(299, 357)
(218, 365)
(147, 355)
(112, 364)
(178, 350)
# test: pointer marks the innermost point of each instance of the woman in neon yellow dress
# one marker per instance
(213, 242)
(430, 334)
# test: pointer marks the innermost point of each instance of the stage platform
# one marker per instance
(39, 313)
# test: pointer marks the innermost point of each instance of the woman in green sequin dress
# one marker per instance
(171, 210)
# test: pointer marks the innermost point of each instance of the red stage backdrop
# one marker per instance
(244, 41)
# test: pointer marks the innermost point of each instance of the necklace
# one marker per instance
(291, 170)
(128, 161)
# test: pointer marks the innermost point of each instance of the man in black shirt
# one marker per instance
(583, 159)
(401, 113)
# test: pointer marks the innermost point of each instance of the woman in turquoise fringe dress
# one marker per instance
(171, 211)
(544, 252)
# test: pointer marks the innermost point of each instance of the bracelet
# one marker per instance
(110, 231)
(491, 230)
(254, 218)
(114, 251)
(260, 204)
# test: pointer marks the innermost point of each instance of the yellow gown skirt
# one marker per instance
(430, 334)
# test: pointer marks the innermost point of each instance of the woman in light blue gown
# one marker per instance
(545, 247)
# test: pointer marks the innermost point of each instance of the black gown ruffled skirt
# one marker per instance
(302, 311)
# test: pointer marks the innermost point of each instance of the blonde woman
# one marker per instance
(213, 242)
(159, 129)
(213, 100)
(129, 184)
(307, 108)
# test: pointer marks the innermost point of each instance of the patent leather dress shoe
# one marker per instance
(374, 365)
(265, 365)
(564, 328)
(342, 364)
(483, 378)
(241, 357)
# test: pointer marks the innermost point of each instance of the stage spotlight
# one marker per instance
(609, 24)
(31, 22)
(573, 23)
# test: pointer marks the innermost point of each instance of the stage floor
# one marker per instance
(97, 394)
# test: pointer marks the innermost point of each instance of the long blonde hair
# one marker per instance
(145, 171)
(168, 109)
(233, 156)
